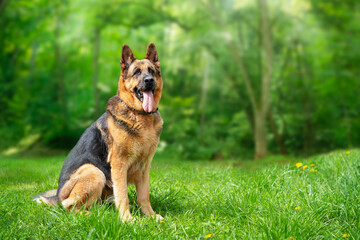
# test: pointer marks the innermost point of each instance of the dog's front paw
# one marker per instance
(158, 217)
(126, 217)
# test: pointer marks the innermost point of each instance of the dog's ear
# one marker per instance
(151, 54)
(127, 56)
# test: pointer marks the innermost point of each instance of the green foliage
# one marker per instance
(50, 76)
(259, 200)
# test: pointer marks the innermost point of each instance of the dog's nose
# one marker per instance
(149, 81)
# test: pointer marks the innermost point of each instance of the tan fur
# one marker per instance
(84, 187)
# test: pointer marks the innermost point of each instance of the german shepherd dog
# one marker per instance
(118, 148)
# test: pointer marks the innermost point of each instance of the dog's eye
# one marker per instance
(137, 72)
(151, 71)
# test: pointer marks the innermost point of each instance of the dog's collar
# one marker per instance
(138, 111)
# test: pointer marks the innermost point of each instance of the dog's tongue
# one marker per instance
(148, 101)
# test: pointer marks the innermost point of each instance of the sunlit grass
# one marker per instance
(198, 200)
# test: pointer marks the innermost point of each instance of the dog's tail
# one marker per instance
(48, 197)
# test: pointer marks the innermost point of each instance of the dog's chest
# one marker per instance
(143, 146)
(134, 145)
(141, 153)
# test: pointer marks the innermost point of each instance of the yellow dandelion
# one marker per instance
(85, 212)
(347, 152)
(346, 235)
(297, 208)
(292, 238)
(312, 170)
(299, 164)
(315, 170)
(161, 221)
(305, 166)
(311, 165)
(208, 236)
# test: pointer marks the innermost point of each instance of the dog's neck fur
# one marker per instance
(138, 111)
(117, 108)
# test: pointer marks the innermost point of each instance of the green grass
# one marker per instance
(224, 199)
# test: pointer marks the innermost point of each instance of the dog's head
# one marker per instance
(140, 83)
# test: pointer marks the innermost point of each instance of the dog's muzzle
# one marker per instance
(145, 93)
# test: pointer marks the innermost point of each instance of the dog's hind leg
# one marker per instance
(84, 188)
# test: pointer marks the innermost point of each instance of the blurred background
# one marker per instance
(242, 79)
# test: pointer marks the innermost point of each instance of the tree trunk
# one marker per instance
(260, 135)
(204, 94)
(263, 108)
(259, 105)
(96, 72)
(32, 67)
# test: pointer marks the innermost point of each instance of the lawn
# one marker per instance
(218, 199)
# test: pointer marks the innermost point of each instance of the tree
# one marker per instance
(260, 103)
